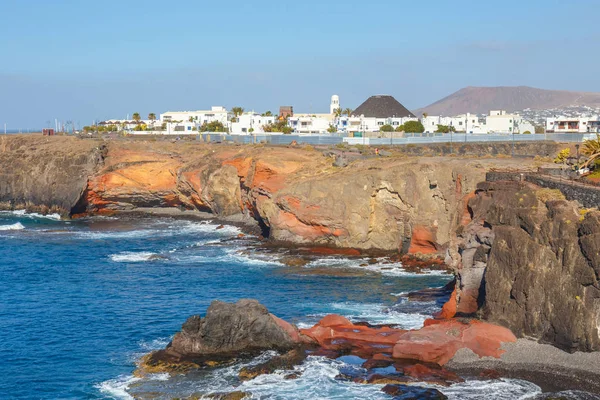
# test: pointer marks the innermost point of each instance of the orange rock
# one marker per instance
(422, 241)
(438, 341)
(449, 309)
(333, 251)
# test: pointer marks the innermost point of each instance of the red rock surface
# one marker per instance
(423, 241)
(436, 342)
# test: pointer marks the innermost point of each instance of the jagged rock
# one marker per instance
(406, 392)
(286, 361)
(228, 331)
(531, 265)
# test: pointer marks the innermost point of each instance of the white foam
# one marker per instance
(376, 314)
(129, 256)
(381, 267)
(23, 213)
(498, 389)
(163, 229)
(14, 227)
(117, 388)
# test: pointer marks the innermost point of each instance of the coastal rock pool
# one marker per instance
(82, 301)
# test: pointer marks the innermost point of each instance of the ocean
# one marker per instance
(82, 301)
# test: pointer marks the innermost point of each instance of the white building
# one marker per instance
(311, 123)
(335, 104)
(251, 122)
(216, 113)
(573, 124)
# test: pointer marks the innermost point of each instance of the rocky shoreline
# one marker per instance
(524, 257)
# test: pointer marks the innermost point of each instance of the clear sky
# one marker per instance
(85, 60)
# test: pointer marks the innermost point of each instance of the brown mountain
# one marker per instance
(480, 100)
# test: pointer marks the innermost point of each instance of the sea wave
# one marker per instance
(381, 267)
(162, 229)
(14, 227)
(130, 256)
(23, 213)
(376, 314)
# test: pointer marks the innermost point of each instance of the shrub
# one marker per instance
(562, 155)
(546, 194)
(386, 128)
(527, 133)
(414, 127)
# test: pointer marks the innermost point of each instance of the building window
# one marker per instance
(460, 122)
(395, 123)
(380, 123)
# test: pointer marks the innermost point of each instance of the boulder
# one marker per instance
(409, 392)
(228, 331)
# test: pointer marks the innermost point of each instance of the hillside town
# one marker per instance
(378, 116)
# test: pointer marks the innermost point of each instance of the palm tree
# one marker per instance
(425, 115)
(136, 117)
(237, 111)
(591, 146)
(267, 114)
(348, 111)
(191, 119)
(338, 112)
(152, 118)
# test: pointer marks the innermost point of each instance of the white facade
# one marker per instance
(335, 104)
(216, 113)
(311, 123)
(573, 124)
(251, 122)
(362, 124)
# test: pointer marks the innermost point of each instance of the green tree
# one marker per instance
(400, 128)
(425, 115)
(332, 129)
(278, 126)
(338, 112)
(527, 133)
(214, 126)
(445, 129)
(152, 117)
(136, 117)
(539, 129)
(348, 111)
(386, 128)
(250, 130)
(414, 127)
(267, 114)
(237, 111)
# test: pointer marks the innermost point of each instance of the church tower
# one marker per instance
(335, 103)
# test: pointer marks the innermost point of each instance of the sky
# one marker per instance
(84, 61)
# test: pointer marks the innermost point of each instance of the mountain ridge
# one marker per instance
(482, 99)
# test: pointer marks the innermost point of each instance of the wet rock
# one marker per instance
(405, 392)
(285, 362)
(228, 331)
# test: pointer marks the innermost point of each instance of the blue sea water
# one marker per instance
(81, 301)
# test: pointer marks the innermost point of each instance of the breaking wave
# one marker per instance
(128, 256)
(23, 213)
(14, 227)
(389, 269)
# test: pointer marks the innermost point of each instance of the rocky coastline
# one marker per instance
(526, 260)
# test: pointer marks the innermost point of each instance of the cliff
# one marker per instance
(295, 194)
(529, 260)
(46, 174)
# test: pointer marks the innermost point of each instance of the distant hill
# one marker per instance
(480, 100)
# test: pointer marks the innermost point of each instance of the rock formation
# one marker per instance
(230, 331)
(46, 174)
(529, 260)
(227, 331)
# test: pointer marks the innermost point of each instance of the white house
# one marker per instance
(251, 122)
(216, 113)
(311, 123)
(573, 124)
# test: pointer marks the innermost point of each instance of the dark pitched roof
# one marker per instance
(382, 107)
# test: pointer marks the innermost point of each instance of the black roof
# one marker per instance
(382, 106)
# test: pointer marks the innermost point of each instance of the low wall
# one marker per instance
(588, 196)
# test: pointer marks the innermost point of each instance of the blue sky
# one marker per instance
(81, 60)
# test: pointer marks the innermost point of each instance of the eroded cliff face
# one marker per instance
(296, 194)
(46, 174)
(531, 263)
